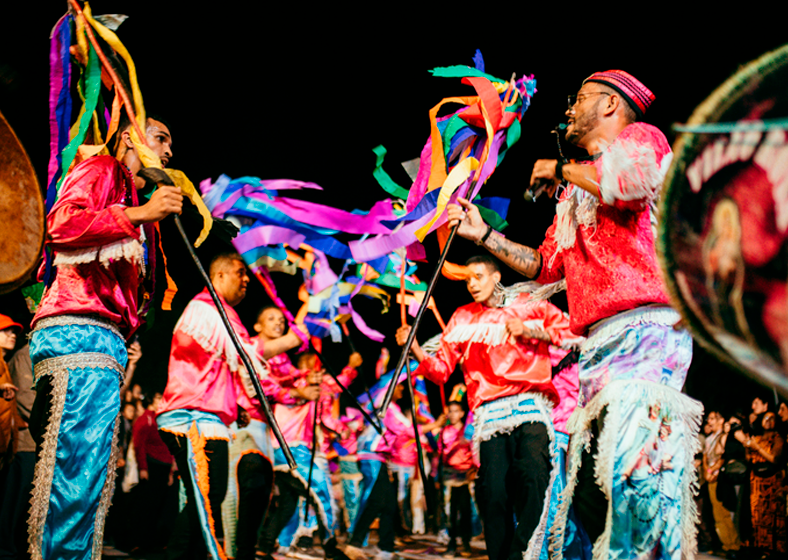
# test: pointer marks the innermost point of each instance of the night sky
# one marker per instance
(289, 91)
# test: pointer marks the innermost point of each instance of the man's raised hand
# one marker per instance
(472, 225)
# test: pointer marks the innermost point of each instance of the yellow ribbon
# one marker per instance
(457, 177)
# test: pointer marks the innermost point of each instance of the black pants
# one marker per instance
(16, 485)
(460, 514)
(589, 501)
(513, 481)
(382, 503)
(255, 478)
(149, 499)
(187, 540)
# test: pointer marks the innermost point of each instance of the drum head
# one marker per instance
(21, 212)
(723, 233)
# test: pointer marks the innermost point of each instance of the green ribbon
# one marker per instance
(460, 71)
(383, 178)
(92, 88)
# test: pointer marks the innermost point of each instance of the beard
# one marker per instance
(583, 124)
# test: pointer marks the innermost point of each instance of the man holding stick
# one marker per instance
(78, 343)
(634, 357)
(200, 401)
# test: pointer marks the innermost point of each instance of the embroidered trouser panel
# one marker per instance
(369, 475)
(643, 466)
(203, 465)
(78, 364)
(249, 489)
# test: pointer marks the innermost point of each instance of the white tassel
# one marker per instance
(491, 334)
(630, 172)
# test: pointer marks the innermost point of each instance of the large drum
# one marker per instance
(723, 238)
(21, 212)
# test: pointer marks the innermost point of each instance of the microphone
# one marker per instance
(532, 193)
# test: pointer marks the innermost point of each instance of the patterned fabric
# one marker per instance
(254, 438)
(567, 384)
(644, 467)
(637, 344)
(351, 489)
(632, 367)
(501, 417)
(75, 474)
(767, 503)
(605, 250)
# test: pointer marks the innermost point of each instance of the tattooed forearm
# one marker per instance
(525, 260)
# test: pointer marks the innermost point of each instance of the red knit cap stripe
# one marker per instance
(638, 95)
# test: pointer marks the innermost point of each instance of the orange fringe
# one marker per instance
(201, 459)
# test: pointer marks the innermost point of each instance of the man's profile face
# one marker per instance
(271, 323)
(481, 283)
(159, 140)
(583, 116)
(231, 282)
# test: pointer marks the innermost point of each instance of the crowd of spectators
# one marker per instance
(742, 468)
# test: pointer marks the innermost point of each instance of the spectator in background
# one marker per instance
(458, 473)
(733, 473)
(9, 417)
(16, 473)
(782, 421)
(767, 496)
(712, 462)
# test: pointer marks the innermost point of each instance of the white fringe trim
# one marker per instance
(45, 467)
(687, 410)
(202, 322)
(432, 346)
(630, 172)
(107, 492)
(538, 292)
(500, 417)
(503, 415)
(578, 208)
(657, 314)
(128, 249)
(491, 334)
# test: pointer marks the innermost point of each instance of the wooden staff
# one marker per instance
(420, 315)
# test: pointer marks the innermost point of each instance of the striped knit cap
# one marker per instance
(638, 95)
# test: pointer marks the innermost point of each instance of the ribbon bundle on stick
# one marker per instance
(463, 151)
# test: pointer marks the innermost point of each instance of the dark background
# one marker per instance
(291, 91)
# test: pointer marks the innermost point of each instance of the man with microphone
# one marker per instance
(602, 242)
